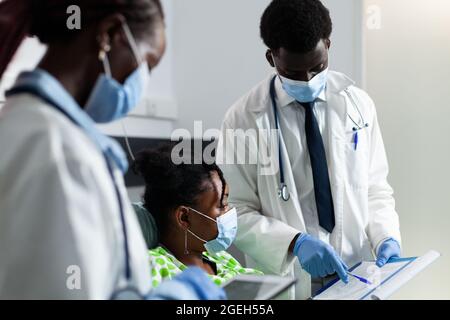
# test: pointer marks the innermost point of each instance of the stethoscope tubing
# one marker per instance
(283, 191)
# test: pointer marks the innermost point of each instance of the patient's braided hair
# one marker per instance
(168, 185)
(47, 19)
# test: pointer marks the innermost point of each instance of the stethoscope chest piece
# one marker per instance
(283, 192)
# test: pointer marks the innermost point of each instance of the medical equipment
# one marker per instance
(358, 127)
(283, 191)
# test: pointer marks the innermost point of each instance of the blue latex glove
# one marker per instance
(318, 258)
(192, 284)
(389, 249)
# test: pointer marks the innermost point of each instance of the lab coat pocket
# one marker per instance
(357, 159)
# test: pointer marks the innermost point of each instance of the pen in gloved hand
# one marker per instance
(360, 278)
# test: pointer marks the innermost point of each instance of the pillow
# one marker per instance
(148, 225)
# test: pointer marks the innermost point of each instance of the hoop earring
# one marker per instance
(103, 57)
(103, 51)
(186, 251)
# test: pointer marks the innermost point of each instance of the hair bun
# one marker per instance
(151, 164)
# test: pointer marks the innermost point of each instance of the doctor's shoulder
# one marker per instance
(363, 100)
(31, 122)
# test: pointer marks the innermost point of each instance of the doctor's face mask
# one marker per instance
(111, 100)
(305, 91)
(303, 76)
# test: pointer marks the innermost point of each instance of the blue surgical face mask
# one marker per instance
(227, 229)
(111, 100)
(305, 91)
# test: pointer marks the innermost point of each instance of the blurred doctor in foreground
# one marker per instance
(67, 229)
(329, 205)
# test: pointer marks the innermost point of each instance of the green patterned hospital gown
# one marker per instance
(164, 266)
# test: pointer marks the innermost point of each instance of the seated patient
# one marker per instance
(195, 223)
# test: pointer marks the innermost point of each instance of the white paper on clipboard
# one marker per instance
(385, 280)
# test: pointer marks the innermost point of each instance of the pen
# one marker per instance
(356, 140)
(360, 278)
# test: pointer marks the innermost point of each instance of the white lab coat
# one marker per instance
(59, 213)
(364, 206)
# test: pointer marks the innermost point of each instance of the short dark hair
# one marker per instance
(169, 185)
(296, 25)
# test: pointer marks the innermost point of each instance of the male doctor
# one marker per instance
(329, 205)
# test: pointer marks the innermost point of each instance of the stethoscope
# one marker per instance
(358, 127)
(128, 292)
(283, 190)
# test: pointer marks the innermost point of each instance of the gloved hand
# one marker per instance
(389, 249)
(197, 279)
(318, 258)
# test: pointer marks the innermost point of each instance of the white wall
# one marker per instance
(214, 56)
(408, 76)
(346, 50)
(219, 55)
(161, 102)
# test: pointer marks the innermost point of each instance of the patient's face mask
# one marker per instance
(111, 100)
(227, 229)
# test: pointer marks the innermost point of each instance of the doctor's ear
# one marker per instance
(182, 217)
(109, 30)
(269, 58)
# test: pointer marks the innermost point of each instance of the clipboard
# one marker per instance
(385, 281)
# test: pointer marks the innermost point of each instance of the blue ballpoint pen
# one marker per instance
(360, 278)
(356, 140)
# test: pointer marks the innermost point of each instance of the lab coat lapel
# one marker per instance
(336, 118)
(264, 121)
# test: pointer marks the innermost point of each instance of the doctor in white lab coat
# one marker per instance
(364, 223)
(67, 228)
